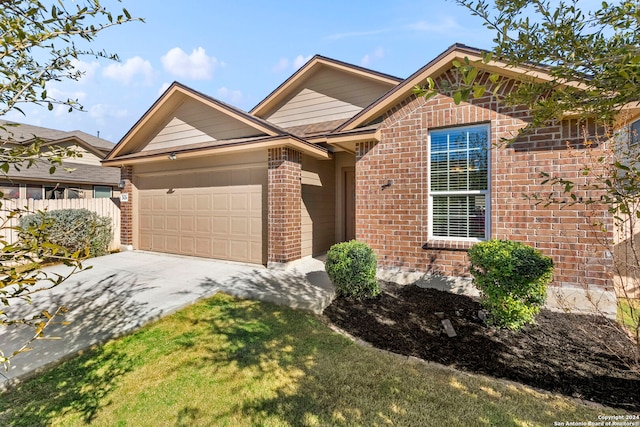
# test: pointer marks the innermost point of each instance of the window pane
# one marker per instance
(74, 193)
(459, 216)
(100, 192)
(10, 191)
(635, 132)
(458, 160)
(53, 193)
(34, 192)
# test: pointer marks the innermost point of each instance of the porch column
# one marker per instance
(126, 209)
(285, 202)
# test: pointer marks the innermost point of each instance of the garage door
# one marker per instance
(214, 214)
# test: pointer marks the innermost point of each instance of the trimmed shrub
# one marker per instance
(512, 278)
(351, 266)
(73, 229)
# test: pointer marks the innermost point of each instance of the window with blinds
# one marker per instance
(459, 183)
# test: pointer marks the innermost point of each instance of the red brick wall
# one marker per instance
(126, 208)
(285, 194)
(394, 220)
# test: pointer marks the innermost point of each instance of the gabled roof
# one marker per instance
(304, 72)
(21, 133)
(170, 100)
(175, 95)
(437, 66)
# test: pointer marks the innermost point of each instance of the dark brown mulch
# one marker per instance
(582, 356)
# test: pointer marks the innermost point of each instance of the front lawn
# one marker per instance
(234, 362)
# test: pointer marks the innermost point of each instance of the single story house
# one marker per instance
(338, 152)
(78, 177)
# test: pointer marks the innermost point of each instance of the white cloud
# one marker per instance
(338, 36)
(231, 96)
(88, 69)
(300, 61)
(163, 88)
(103, 112)
(281, 66)
(196, 66)
(370, 57)
(127, 72)
(441, 25)
(284, 64)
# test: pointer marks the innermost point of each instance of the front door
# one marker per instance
(349, 176)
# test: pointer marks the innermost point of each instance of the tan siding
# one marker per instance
(327, 95)
(318, 212)
(87, 158)
(194, 123)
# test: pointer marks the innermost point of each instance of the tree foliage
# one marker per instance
(40, 42)
(593, 57)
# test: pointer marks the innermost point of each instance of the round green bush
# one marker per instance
(351, 266)
(512, 278)
(73, 229)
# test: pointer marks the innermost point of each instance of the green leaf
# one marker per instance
(457, 97)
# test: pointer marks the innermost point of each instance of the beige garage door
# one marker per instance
(216, 214)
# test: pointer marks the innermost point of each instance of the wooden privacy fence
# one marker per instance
(109, 207)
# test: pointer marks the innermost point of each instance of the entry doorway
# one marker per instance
(349, 179)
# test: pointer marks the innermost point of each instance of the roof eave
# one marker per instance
(287, 141)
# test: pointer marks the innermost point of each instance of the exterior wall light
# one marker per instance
(121, 183)
(172, 155)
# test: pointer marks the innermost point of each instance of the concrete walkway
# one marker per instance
(123, 291)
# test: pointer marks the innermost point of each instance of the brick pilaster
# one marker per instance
(126, 208)
(285, 202)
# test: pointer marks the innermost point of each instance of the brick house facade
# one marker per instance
(338, 151)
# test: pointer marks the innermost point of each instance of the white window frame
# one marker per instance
(486, 193)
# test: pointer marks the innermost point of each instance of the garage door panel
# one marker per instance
(172, 203)
(203, 247)
(158, 203)
(172, 223)
(221, 249)
(223, 221)
(203, 225)
(188, 245)
(187, 224)
(239, 226)
(171, 241)
(203, 202)
(220, 225)
(187, 202)
(239, 249)
(158, 223)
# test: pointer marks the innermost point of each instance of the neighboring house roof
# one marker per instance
(24, 133)
(78, 174)
(81, 173)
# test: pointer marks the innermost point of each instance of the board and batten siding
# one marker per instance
(327, 95)
(318, 201)
(194, 123)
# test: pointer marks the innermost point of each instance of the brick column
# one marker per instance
(285, 202)
(126, 209)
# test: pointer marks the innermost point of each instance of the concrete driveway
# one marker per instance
(123, 291)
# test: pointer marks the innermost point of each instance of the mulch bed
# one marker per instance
(583, 356)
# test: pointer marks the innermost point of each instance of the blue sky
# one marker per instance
(239, 51)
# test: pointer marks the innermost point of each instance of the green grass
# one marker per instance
(230, 362)
(629, 313)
